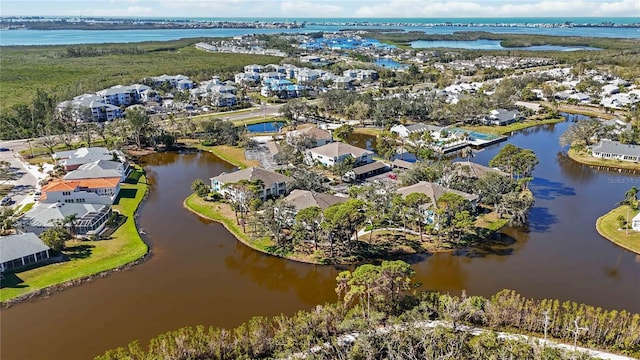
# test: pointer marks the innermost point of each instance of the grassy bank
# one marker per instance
(231, 154)
(222, 213)
(89, 257)
(67, 72)
(583, 157)
(507, 129)
(607, 226)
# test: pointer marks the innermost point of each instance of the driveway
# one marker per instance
(25, 177)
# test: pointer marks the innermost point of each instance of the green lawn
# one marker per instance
(231, 154)
(583, 157)
(503, 130)
(89, 257)
(222, 213)
(608, 226)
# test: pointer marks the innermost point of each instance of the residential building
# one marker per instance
(502, 117)
(635, 222)
(20, 250)
(175, 81)
(321, 137)
(434, 192)
(405, 130)
(474, 170)
(366, 171)
(72, 159)
(92, 191)
(90, 218)
(302, 199)
(335, 153)
(614, 150)
(253, 68)
(90, 107)
(100, 169)
(272, 183)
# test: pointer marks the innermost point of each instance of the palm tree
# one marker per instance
(630, 197)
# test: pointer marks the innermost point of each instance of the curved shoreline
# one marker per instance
(239, 238)
(610, 237)
(47, 291)
(599, 163)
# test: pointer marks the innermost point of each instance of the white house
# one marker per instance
(635, 222)
(614, 150)
(100, 169)
(72, 159)
(335, 153)
(90, 218)
(91, 191)
(502, 117)
(272, 183)
(405, 130)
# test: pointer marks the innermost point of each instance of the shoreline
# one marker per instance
(577, 156)
(602, 227)
(228, 225)
(49, 290)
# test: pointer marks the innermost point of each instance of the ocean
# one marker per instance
(506, 25)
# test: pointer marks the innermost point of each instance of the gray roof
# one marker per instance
(338, 149)
(402, 164)
(504, 115)
(475, 170)
(302, 199)
(377, 165)
(14, 247)
(268, 177)
(96, 170)
(433, 191)
(44, 214)
(86, 155)
(614, 147)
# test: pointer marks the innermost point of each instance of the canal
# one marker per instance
(199, 274)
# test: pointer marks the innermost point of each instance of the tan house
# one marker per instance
(272, 183)
(335, 153)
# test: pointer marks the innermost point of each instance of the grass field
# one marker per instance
(88, 257)
(607, 225)
(583, 157)
(507, 129)
(27, 68)
(231, 154)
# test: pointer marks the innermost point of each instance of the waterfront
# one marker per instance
(483, 44)
(62, 37)
(199, 274)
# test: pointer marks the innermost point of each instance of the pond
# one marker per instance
(389, 63)
(483, 44)
(265, 127)
(199, 274)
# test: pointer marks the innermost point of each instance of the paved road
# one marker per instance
(24, 179)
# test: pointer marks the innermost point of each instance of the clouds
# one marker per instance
(326, 8)
(557, 8)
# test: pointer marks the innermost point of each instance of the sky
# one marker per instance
(324, 8)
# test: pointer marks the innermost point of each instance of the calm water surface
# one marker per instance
(199, 274)
(483, 44)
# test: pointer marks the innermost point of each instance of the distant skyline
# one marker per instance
(324, 9)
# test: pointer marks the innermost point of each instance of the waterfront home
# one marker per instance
(100, 169)
(321, 137)
(405, 130)
(366, 171)
(302, 199)
(180, 82)
(272, 184)
(335, 153)
(434, 192)
(20, 250)
(90, 218)
(502, 117)
(72, 159)
(92, 191)
(614, 150)
(635, 222)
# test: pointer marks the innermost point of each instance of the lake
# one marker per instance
(483, 44)
(199, 274)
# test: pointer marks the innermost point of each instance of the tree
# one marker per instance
(518, 162)
(309, 220)
(55, 238)
(580, 133)
(516, 207)
(241, 196)
(200, 188)
(275, 216)
(631, 198)
(7, 219)
(343, 132)
(377, 287)
(416, 201)
(492, 186)
(139, 124)
(386, 144)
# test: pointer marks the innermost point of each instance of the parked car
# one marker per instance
(3, 149)
(393, 176)
(6, 201)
